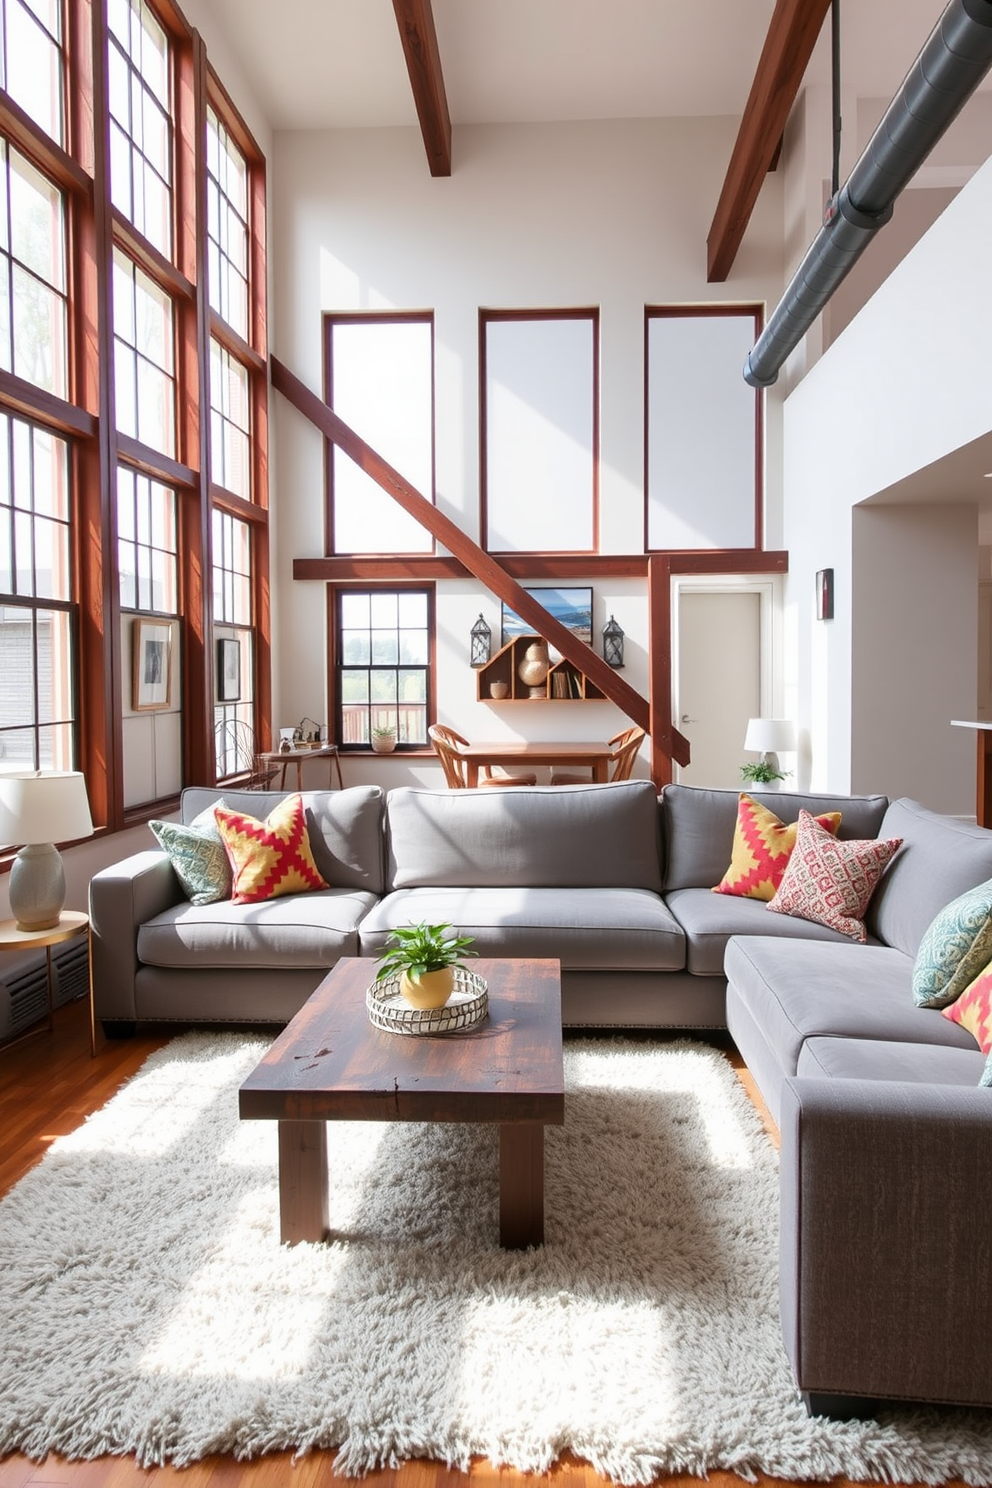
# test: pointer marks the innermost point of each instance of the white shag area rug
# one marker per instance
(147, 1307)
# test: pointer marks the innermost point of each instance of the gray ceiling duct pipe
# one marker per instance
(956, 57)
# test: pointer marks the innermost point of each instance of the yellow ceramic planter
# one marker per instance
(431, 990)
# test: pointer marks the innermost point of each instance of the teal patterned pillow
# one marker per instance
(197, 856)
(954, 949)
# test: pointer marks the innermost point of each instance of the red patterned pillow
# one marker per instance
(831, 882)
(973, 1009)
(762, 848)
(269, 858)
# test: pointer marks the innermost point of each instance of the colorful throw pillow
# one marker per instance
(973, 1010)
(762, 847)
(197, 855)
(269, 858)
(954, 948)
(831, 882)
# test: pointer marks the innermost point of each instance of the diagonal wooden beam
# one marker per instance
(423, 62)
(792, 33)
(478, 562)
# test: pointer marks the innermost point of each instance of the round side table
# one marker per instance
(72, 922)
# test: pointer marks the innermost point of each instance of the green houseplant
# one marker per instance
(760, 772)
(383, 740)
(425, 957)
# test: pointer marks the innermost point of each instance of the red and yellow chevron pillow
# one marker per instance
(762, 848)
(973, 1009)
(269, 858)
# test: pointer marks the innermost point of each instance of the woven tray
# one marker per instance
(467, 1005)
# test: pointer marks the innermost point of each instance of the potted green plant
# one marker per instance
(384, 740)
(760, 772)
(425, 957)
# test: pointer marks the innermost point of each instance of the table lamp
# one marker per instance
(36, 808)
(766, 736)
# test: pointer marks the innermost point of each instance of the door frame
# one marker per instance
(768, 589)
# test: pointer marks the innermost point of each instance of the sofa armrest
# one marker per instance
(123, 897)
(886, 1238)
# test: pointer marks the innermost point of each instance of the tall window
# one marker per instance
(233, 711)
(32, 62)
(33, 292)
(384, 674)
(37, 660)
(230, 430)
(380, 380)
(147, 543)
(703, 470)
(138, 81)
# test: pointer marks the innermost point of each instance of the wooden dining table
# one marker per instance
(569, 754)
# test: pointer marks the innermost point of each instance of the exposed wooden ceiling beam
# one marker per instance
(792, 33)
(423, 62)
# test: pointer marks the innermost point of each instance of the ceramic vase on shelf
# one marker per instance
(534, 668)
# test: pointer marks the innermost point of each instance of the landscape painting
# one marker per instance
(572, 607)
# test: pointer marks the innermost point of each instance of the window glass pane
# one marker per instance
(33, 311)
(411, 608)
(140, 105)
(6, 552)
(230, 450)
(36, 222)
(374, 691)
(382, 386)
(33, 63)
(145, 389)
(355, 609)
(356, 647)
(227, 226)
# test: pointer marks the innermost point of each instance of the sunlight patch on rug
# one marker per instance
(147, 1307)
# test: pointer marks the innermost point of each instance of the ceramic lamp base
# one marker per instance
(36, 888)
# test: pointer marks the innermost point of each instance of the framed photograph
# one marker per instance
(824, 594)
(572, 607)
(228, 671)
(152, 679)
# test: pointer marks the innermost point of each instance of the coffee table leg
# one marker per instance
(303, 1213)
(521, 1185)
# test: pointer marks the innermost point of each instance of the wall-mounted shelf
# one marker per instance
(564, 683)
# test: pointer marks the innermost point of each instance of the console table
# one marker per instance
(983, 781)
(287, 757)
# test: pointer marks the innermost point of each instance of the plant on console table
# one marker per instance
(760, 772)
(426, 957)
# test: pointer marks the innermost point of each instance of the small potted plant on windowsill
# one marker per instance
(383, 740)
(426, 957)
(760, 772)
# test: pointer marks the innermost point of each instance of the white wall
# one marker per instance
(612, 214)
(904, 385)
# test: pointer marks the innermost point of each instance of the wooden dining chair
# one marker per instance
(623, 752)
(447, 747)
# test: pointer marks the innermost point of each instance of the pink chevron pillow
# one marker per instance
(269, 858)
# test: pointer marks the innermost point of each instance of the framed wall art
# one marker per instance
(824, 594)
(572, 607)
(228, 670)
(151, 685)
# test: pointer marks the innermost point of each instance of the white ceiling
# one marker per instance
(319, 64)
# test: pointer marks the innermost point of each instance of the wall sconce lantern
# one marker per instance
(613, 643)
(482, 643)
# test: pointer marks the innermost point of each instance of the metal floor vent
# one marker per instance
(27, 991)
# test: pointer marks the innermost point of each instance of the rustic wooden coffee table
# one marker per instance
(331, 1064)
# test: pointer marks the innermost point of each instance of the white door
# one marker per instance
(719, 682)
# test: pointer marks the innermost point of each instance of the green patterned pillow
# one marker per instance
(197, 855)
(954, 949)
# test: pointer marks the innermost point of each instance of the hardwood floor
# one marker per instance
(48, 1086)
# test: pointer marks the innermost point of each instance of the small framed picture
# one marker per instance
(228, 671)
(573, 607)
(824, 594)
(152, 676)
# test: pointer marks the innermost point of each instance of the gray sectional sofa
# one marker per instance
(611, 881)
(886, 1136)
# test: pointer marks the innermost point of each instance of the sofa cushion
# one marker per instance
(587, 929)
(698, 826)
(973, 1010)
(272, 858)
(795, 990)
(831, 882)
(583, 836)
(344, 827)
(955, 947)
(709, 920)
(762, 848)
(940, 858)
(198, 857)
(300, 930)
(891, 1059)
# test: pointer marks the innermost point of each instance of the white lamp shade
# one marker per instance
(44, 806)
(770, 735)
